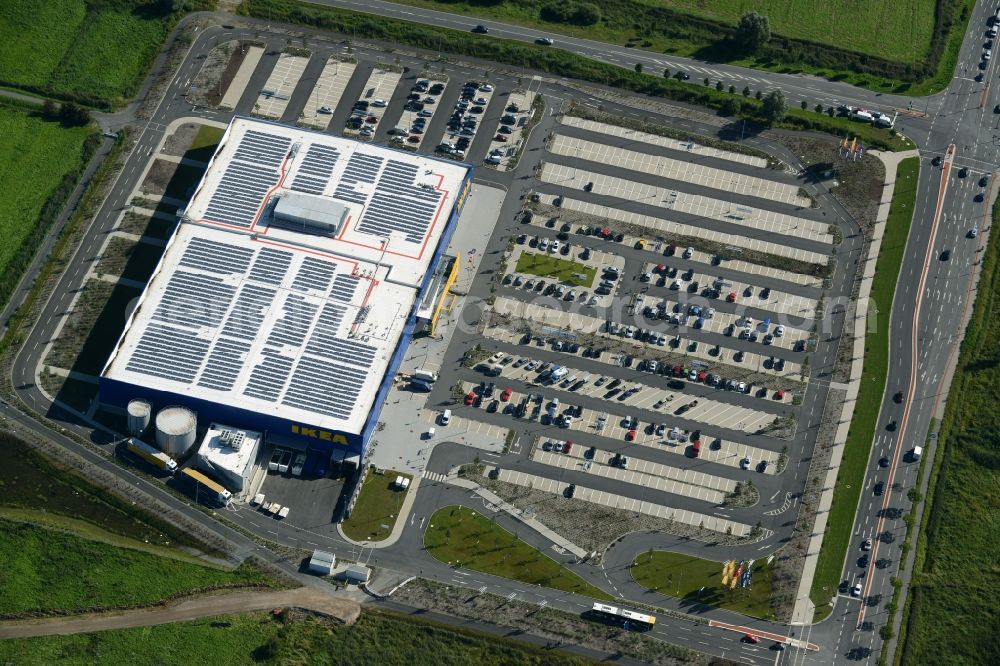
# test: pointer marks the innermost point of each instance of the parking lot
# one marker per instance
(422, 103)
(274, 96)
(510, 134)
(325, 95)
(370, 106)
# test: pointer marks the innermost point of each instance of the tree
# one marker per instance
(666, 73)
(732, 90)
(819, 108)
(707, 81)
(805, 105)
(729, 107)
(719, 86)
(638, 68)
(774, 106)
(753, 31)
(50, 110)
(746, 91)
(830, 111)
(759, 95)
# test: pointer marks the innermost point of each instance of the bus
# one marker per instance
(623, 617)
(205, 488)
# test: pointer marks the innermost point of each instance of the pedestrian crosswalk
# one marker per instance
(435, 476)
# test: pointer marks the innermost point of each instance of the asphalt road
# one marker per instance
(931, 296)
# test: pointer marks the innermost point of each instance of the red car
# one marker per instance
(567, 446)
(701, 375)
(678, 371)
(779, 394)
(502, 138)
(731, 298)
(750, 638)
(470, 398)
(696, 449)
(505, 395)
(630, 436)
(660, 268)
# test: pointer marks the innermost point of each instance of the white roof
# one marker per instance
(229, 448)
(298, 325)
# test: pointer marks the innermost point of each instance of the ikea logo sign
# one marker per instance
(316, 433)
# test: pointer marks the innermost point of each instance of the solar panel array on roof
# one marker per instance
(194, 299)
(316, 168)
(314, 274)
(271, 266)
(267, 379)
(168, 352)
(400, 205)
(344, 286)
(325, 388)
(248, 314)
(253, 170)
(224, 364)
(296, 319)
(360, 168)
(216, 257)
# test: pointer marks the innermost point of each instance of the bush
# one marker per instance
(729, 107)
(753, 31)
(568, 11)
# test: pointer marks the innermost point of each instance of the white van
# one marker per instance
(446, 417)
(917, 452)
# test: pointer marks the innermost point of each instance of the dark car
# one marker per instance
(878, 489)
(937, 158)
(963, 172)
(945, 255)
(481, 29)
(898, 397)
(883, 462)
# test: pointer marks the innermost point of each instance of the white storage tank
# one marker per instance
(175, 430)
(139, 414)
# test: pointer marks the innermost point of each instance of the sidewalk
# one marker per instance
(802, 613)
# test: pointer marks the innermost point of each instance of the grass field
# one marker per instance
(857, 450)
(45, 570)
(96, 55)
(259, 638)
(35, 156)
(460, 536)
(952, 610)
(549, 266)
(900, 31)
(377, 507)
(682, 576)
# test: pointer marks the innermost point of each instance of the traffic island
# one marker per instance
(742, 587)
(378, 506)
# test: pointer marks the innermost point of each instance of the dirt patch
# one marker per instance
(218, 71)
(177, 143)
(561, 627)
(145, 225)
(591, 526)
(857, 186)
(171, 179)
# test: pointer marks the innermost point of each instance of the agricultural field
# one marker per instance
(952, 610)
(93, 52)
(261, 638)
(896, 31)
(38, 160)
(49, 570)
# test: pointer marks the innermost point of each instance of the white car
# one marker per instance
(742, 387)
(745, 463)
(325, 109)
(380, 103)
(688, 251)
(866, 544)
(486, 87)
(856, 590)
(554, 247)
(779, 331)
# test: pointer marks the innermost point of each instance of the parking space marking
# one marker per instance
(685, 202)
(581, 294)
(745, 294)
(694, 518)
(452, 136)
(584, 324)
(658, 224)
(675, 169)
(508, 148)
(415, 140)
(277, 91)
(327, 92)
(380, 85)
(689, 146)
